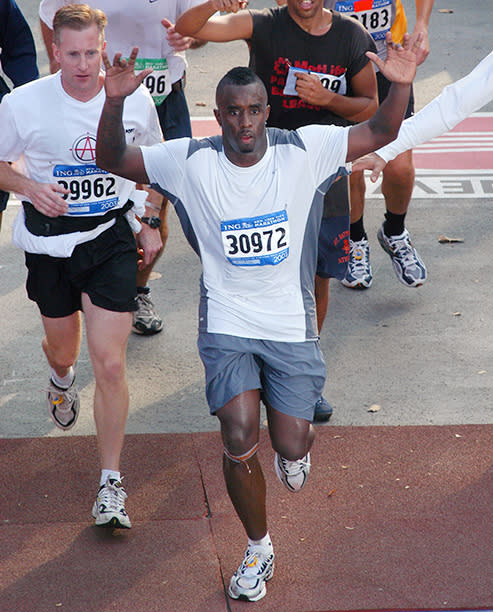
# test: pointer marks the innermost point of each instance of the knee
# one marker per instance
(109, 369)
(61, 356)
(239, 436)
(296, 445)
(399, 170)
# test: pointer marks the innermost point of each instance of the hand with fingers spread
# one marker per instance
(120, 80)
(401, 61)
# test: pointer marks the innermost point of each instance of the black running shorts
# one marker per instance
(104, 268)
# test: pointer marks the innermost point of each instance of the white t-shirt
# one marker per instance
(56, 136)
(255, 229)
(136, 24)
(456, 102)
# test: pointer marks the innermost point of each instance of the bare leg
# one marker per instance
(322, 292)
(61, 343)
(245, 481)
(291, 437)
(107, 335)
(357, 190)
(398, 182)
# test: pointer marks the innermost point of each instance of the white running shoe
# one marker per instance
(358, 273)
(109, 507)
(292, 474)
(248, 582)
(63, 405)
(408, 265)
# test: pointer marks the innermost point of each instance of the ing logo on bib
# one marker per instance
(84, 149)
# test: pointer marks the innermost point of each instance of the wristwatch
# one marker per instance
(152, 222)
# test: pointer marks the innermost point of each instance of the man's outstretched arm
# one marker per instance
(201, 21)
(383, 127)
(112, 152)
(456, 102)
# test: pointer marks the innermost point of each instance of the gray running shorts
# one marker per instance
(291, 375)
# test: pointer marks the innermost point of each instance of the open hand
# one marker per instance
(120, 80)
(401, 61)
(372, 162)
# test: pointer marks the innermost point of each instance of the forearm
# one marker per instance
(11, 180)
(110, 141)
(48, 41)
(386, 122)
(192, 21)
(112, 152)
(353, 109)
(423, 13)
(383, 127)
(456, 102)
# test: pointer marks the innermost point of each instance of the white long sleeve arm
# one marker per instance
(456, 102)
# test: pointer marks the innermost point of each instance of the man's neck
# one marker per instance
(84, 96)
(318, 25)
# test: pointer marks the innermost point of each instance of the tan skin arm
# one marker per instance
(47, 198)
(383, 127)
(423, 13)
(47, 34)
(198, 22)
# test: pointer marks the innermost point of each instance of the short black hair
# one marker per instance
(240, 75)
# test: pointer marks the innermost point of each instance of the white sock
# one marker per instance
(265, 543)
(63, 382)
(105, 474)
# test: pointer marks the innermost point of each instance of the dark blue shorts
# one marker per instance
(333, 241)
(174, 116)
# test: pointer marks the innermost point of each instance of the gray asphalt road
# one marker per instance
(424, 356)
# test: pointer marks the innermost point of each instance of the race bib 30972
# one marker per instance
(256, 241)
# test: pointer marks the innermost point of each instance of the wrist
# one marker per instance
(153, 222)
(150, 206)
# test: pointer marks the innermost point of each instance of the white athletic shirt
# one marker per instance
(136, 23)
(56, 136)
(255, 229)
(456, 102)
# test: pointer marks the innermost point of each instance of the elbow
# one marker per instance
(181, 28)
(367, 113)
(104, 162)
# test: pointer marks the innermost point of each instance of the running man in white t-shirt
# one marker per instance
(250, 203)
(150, 26)
(74, 227)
